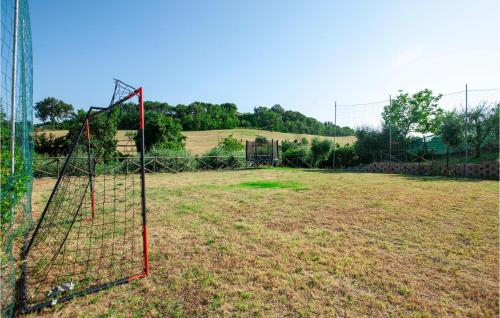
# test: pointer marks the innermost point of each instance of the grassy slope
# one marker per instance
(274, 243)
(199, 142)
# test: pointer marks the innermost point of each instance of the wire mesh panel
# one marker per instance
(461, 135)
(16, 123)
(262, 152)
(92, 232)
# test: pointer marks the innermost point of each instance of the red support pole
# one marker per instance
(143, 182)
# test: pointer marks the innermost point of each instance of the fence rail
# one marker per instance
(52, 166)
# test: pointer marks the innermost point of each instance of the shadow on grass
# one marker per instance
(400, 175)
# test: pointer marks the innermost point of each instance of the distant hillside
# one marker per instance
(199, 142)
(199, 116)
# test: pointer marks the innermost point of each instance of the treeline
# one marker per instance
(207, 116)
(200, 116)
(413, 128)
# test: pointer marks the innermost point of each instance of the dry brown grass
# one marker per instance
(316, 245)
(199, 142)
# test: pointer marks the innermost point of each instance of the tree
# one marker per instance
(103, 129)
(52, 110)
(320, 150)
(482, 119)
(416, 113)
(230, 144)
(50, 144)
(452, 129)
(369, 142)
(161, 130)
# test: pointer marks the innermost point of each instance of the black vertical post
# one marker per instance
(246, 153)
(466, 132)
(334, 135)
(390, 136)
(447, 160)
(89, 156)
(143, 184)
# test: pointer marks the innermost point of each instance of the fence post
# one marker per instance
(447, 160)
(390, 137)
(57, 163)
(334, 134)
(466, 133)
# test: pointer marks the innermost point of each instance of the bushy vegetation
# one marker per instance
(231, 144)
(199, 116)
(49, 144)
(403, 120)
(12, 186)
(161, 130)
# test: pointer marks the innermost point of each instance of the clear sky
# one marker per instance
(303, 55)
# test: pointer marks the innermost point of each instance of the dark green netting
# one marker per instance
(15, 192)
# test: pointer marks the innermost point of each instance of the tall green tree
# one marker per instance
(452, 129)
(52, 110)
(482, 120)
(414, 113)
(320, 150)
(161, 130)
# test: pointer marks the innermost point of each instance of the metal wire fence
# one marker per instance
(16, 122)
(381, 147)
(51, 166)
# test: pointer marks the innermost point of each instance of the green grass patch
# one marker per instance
(273, 185)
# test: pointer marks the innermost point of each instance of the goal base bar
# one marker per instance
(90, 290)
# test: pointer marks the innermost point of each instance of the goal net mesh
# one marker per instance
(91, 234)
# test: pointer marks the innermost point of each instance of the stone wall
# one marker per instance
(485, 170)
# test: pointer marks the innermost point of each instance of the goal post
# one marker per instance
(92, 233)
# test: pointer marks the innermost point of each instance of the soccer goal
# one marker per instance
(92, 233)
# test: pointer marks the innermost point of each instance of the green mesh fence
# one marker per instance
(16, 178)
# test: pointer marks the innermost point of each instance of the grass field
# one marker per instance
(199, 142)
(297, 243)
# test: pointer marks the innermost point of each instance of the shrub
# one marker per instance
(296, 152)
(161, 130)
(345, 156)
(368, 142)
(261, 140)
(320, 150)
(160, 150)
(50, 144)
(230, 144)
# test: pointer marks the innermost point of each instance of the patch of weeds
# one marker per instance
(294, 185)
(246, 294)
(175, 310)
(404, 290)
(216, 302)
(309, 256)
(222, 249)
(188, 208)
(420, 314)
(241, 226)
(211, 218)
(208, 279)
(306, 311)
(210, 242)
(241, 305)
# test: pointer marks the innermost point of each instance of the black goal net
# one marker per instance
(92, 233)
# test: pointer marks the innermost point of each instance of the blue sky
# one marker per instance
(303, 55)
